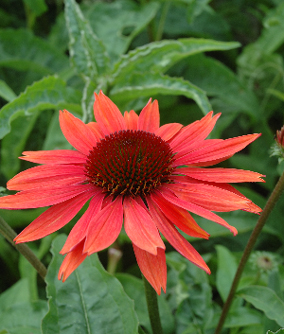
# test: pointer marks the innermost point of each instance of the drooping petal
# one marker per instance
(153, 267)
(56, 157)
(175, 238)
(108, 115)
(78, 134)
(200, 211)
(71, 261)
(53, 218)
(218, 150)
(140, 227)
(131, 120)
(194, 132)
(37, 198)
(79, 231)
(149, 118)
(209, 196)
(105, 227)
(179, 217)
(221, 175)
(168, 131)
(42, 176)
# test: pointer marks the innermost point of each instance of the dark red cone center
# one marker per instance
(129, 163)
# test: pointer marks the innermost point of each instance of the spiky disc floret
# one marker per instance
(129, 163)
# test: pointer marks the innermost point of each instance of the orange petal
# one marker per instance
(78, 134)
(222, 175)
(174, 238)
(37, 198)
(105, 227)
(71, 262)
(200, 211)
(168, 131)
(79, 231)
(56, 157)
(179, 217)
(53, 219)
(153, 267)
(41, 176)
(108, 115)
(149, 118)
(131, 119)
(140, 227)
(218, 150)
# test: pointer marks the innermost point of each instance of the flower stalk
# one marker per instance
(249, 247)
(153, 309)
(10, 234)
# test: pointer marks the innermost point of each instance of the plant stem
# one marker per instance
(10, 235)
(153, 310)
(252, 240)
(164, 13)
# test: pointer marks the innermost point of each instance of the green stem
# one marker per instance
(10, 235)
(252, 240)
(153, 310)
(164, 13)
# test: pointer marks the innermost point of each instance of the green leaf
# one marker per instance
(265, 300)
(17, 314)
(90, 301)
(14, 142)
(149, 84)
(227, 267)
(34, 54)
(38, 7)
(118, 22)
(87, 52)
(50, 92)
(218, 80)
(135, 290)
(160, 56)
(6, 92)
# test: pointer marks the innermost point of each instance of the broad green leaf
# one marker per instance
(89, 301)
(118, 22)
(160, 56)
(266, 300)
(218, 80)
(48, 93)
(87, 51)
(227, 267)
(38, 7)
(17, 313)
(280, 331)
(149, 84)
(34, 54)
(135, 289)
(13, 144)
(6, 92)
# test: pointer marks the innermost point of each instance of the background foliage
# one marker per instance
(193, 56)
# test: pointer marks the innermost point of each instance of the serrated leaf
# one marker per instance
(89, 301)
(87, 51)
(149, 84)
(160, 56)
(118, 22)
(6, 92)
(34, 54)
(48, 93)
(266, 300)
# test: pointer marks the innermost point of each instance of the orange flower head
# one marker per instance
(136, 172)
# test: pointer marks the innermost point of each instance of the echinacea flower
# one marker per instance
(136, 172)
